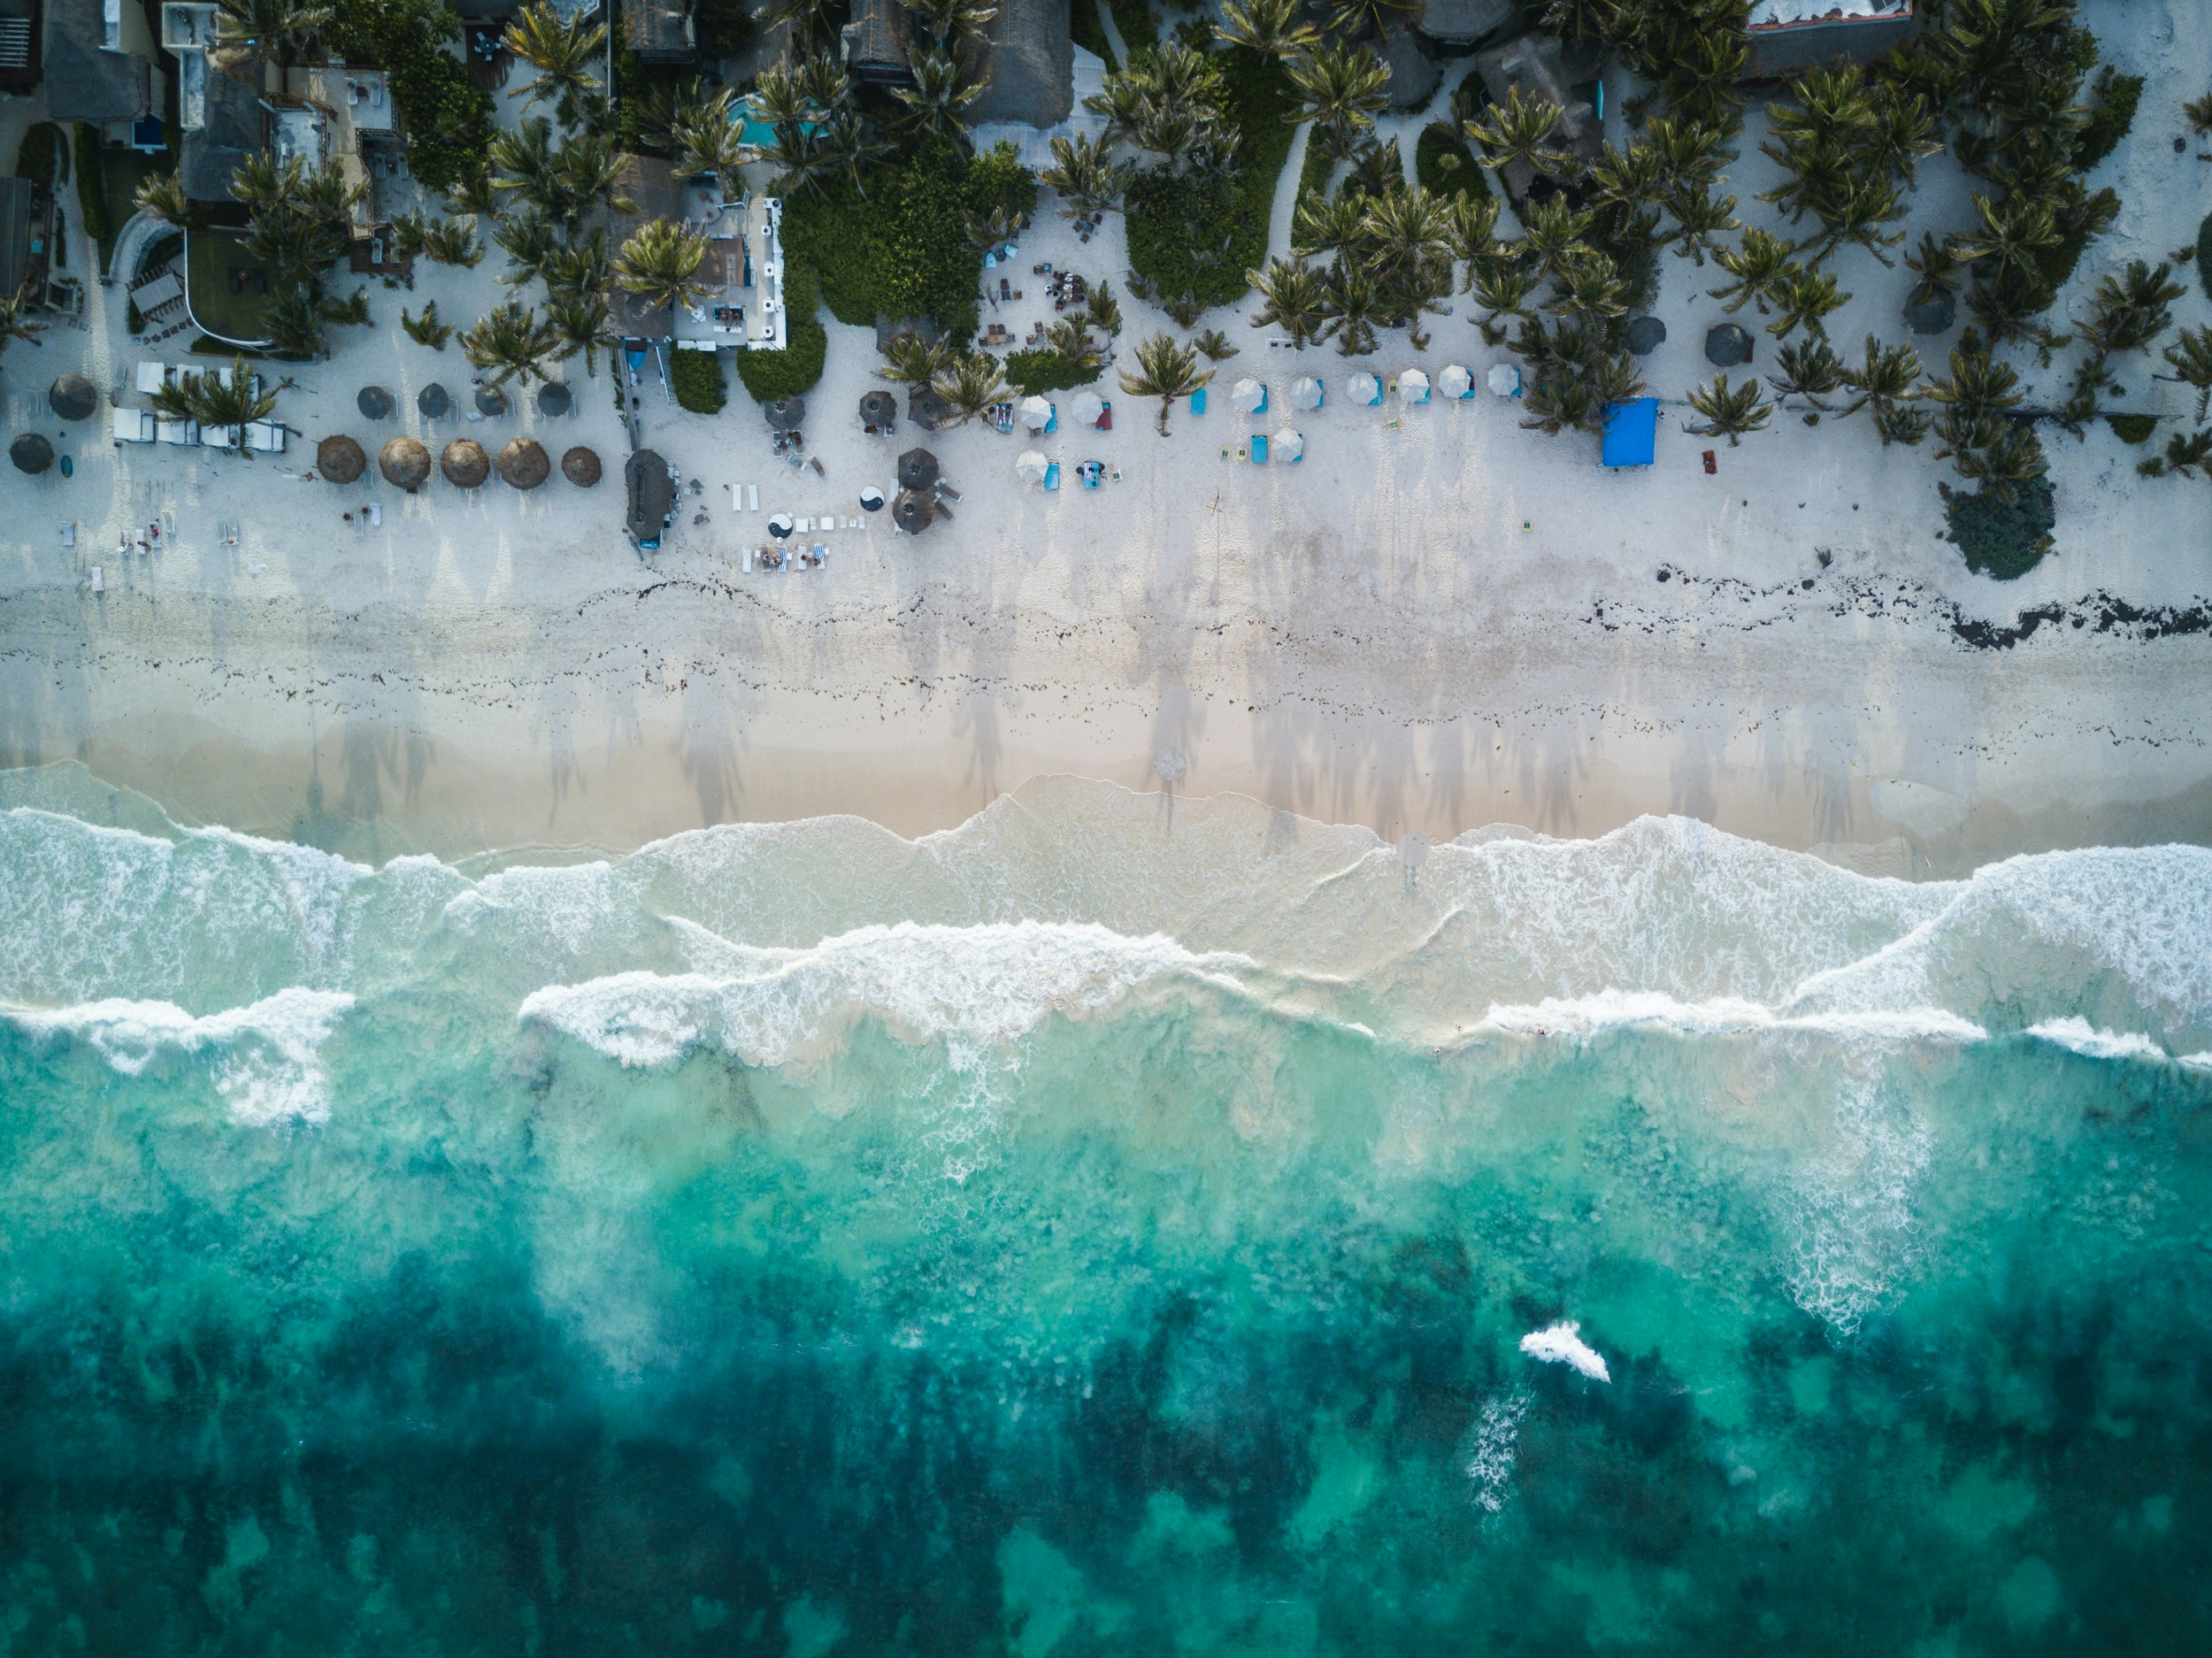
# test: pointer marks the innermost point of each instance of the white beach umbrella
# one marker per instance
(1036, 413)
(1088, 407)
(1249, 396)
(1030, 468)
(1413, 386)
(1504, 380)
(1454, 381)
(1288, 445)
(1305, 392)
(1365, 388)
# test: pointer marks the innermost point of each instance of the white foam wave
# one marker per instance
(2079, 1036)
(269, 1053)
(1491, 1450)
(971, 988)
(1721, 1016)
(1563, 1344)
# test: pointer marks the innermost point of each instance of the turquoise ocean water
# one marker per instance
(1111, 1228)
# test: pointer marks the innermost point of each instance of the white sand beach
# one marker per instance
(1434, 621)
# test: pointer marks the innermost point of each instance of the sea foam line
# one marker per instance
(1719, 1016)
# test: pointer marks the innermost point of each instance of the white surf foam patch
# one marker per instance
(1490, 1451)
(269, 1053)
(971, 988)
(2079, 1036)
(1723, 1016)
(1563, 1344)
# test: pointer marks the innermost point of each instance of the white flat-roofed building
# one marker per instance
(1787, 35)
(744, 269)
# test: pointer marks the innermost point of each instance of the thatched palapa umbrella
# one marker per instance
(464, 463)
(74, 398)
(523, 464)
(1646, 335)
(405, 462)
(433, 401)
(914, 510)
(490, 401)
(926, 409)
(341, 459)
(918, 470)
(31, 453)
(374, 403)
(580, 467)
(785, 414)
(881, 410)
(1727, 345)
(555, 399)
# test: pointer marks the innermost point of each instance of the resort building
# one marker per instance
(1787, 35)
(99, 69)
(743, 308)
(660, 31)
(219, 116)
(26, 239)
(331, 115)
(19, 56)
(875, 43)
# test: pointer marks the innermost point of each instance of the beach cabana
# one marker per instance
(1087, 407)
(1306, 392)
(1456, 382)
(405, 462)
(914, 510)
(433, 402)
(1631, 433)
(31, 453)
(1290, 447)
(341, 460)
(74, 398)
(880, 411)
(651, 494)
(555, 399)
(490, 401)
(1727, 345)
(464, 463)
(1030, 466)
(523, 464)
(1365, 389)
(1413, 386)
(1504, 380)
(374, 403)
(918, 470)
(1646, 335)
(1249, 396)
(785, 414)
(1036, 414)
(580, 467)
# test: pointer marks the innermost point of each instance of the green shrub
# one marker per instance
(1088, 32)
(35, 156)
(997, 179)
(697, 378)
(1197, 236)
(1034, 373)
(769, 375)
(2204, 255)
(92, 194)
(2135, 428)
(2111, 113)
(1444, 166)
(448, 121)
(725, 27)
(2055, 264)
(133, 319)
(2002, 538)
(1313, 176)
(1134, 19)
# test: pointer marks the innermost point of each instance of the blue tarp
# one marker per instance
(1631, 433)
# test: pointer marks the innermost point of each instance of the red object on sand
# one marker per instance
(1712, 462)
(1106, 419)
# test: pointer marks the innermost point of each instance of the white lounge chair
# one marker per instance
(131, 426)
(177, 431)
(266, 437)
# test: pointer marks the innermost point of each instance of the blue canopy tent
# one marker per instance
(1631, 433)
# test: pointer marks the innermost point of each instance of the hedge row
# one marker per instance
(1033, 373)
(769, 375)
(92, 185)
(35, 156)
(696, 377)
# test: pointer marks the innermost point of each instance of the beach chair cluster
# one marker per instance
(143, 426)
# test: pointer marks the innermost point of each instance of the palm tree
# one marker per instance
(161, 196)
(1166, 369)
(1699, 216)
(1473, 228)
(1980, 388)
(1071, 338)
(1340, 91)
(1937, 267)
(2186, 453)
(970, 383)
(580, 265)
(1105, 310)
(1407, 232)
(1558, 400)
(2132, 308)
(1810, 369)
(939, 96)
(800, 18)
(16, 322)
(426, 329)
(951, 20)
(709, 144)
(1294, 299)
(475, 196)
(293, 323)
(579, 322)
(908, 359)
(1354, 305)
(225, 402)
(269, 27)
(453, 242)
(562, 51)
(660, 264)
(1352, 19)
(1886, 381)
(1730, 412)
(1089, 180)
(2013, 457)
(1552, 232)
(2013, 232)
(1807, 301)
(1503, 288)
(1763, 268)
(1330, 224)
(1520, 130)
(987, 232)
(528, 241)
(844, 144)
(511, 340)
(2191, 357)
(1589, 287)
(1214, 346)
(1272, 28)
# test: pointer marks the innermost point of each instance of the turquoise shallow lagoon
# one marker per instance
(1109, 1228)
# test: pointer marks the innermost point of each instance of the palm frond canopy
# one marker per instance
(404, 463)
(464, 463)
(523, 464)
(340, 459)
(374, 403)
(580, 467)
(917, 469)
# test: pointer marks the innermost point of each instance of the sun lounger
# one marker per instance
(132, 425)
(1259, 450)
(177, 431)
(748, 561)
(1198, 401)
(752, 498)
(1106, 418)
(1052, 476)
(152, 377)
(266, 437)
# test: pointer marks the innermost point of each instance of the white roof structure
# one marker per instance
(1088, 406)
(1781, 13)
(1305, 392)
(1249, 394)
(1036, 413)
(1413, 386)
(1289, 445)
(1456, 381)
(1030, 466)
(1365, 388)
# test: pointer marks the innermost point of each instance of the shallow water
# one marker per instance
(1111, 1228)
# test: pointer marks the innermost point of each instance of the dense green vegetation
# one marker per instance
(92, 196)
(2133, 428)
(36, 156)
(2002, 532)
(1134, 19)
(1444, 164)
(2204, 255)
(2111, 113)
(448, 121)
(696, 378)
(1037, 372)
(768, 375)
